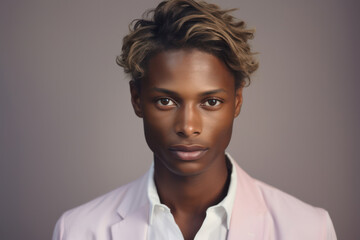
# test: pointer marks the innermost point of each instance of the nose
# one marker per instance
(188, 121)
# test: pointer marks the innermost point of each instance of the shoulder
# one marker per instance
(280, 203)
(282, 215)
(94, 218)
(293, 217)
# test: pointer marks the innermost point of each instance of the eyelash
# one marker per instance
(218, 102)
(158, 101)
(174, 103)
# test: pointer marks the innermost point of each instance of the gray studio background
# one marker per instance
(68, 133)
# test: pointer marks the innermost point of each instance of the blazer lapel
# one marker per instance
(134, 226)
(250, 218)
(133, 211)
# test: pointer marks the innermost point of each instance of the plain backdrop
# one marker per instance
(68, 133)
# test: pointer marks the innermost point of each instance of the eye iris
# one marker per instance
(164, 101)
(212, 102)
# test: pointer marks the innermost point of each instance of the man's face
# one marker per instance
(188, 103)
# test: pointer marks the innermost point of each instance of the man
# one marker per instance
(189, 64)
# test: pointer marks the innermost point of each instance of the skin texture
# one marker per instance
(188, 102)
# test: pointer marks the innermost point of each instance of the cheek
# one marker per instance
(219, 127)
(156, 129)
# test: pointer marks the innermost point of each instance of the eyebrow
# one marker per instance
(163, 90)
(213, 92)
(169, 92)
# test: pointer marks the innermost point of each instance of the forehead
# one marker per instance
(188, 67)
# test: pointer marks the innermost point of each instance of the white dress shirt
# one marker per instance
(162, 225)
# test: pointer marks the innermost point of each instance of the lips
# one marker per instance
(188, 152)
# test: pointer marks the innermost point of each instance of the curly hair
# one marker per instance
(179, 24)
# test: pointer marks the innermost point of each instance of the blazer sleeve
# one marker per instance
(330, 231)
(58, 233)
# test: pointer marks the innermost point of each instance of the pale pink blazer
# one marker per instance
(260, 212)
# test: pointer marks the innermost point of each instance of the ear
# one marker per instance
(135, 98)
(238, 101)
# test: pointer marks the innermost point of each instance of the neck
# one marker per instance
(192, 194)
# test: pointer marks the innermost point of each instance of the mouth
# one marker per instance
(188, 152)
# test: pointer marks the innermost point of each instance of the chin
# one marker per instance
(185, 168)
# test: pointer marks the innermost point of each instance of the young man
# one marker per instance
(189, 64)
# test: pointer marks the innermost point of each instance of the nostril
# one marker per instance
(187, 134)
(180, 134)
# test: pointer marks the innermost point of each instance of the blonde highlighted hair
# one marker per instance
(178, 24)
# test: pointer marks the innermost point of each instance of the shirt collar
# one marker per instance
(227, 203)
(152, 194)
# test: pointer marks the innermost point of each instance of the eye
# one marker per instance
(165, 102)
(212, 102)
